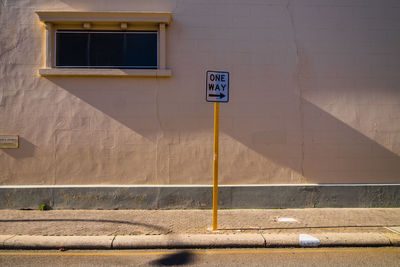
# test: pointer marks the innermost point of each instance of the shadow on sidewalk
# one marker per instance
(155, 227)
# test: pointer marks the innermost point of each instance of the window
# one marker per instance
(101, 49)
(105, 43)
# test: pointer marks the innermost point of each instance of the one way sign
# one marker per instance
(217, 86)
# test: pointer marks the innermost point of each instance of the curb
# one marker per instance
(199, 241)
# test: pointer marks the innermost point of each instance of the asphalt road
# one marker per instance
(389, 256)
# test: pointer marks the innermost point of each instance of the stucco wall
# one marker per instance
(314, 97)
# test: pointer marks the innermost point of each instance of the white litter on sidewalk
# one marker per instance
(308, 241)
(286, 220)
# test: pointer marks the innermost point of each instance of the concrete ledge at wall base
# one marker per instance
(196, 241)
(200, 197)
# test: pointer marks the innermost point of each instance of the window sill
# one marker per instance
(105, 72)
(70, 17)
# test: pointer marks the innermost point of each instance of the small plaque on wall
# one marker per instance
(9, 141)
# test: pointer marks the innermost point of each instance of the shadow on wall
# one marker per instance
(316, 145)
(26, 150)
(324, 149)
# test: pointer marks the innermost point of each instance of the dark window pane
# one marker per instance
(72, 49)
(141, 50)
(106, 49)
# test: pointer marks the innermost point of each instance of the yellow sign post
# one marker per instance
(215, 166)
(217, 90)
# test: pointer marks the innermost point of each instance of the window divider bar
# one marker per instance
(88, 50)
(124, 47)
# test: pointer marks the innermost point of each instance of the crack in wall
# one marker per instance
(12, 47)
(2, 54)
(297, 72)
(3, 4)
(55, 156)
(176, 5)
(2, 98)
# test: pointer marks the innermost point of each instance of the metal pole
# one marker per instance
(215, 166)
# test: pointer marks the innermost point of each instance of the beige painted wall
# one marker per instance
(314, 97)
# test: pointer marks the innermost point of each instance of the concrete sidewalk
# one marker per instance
(123, 229)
